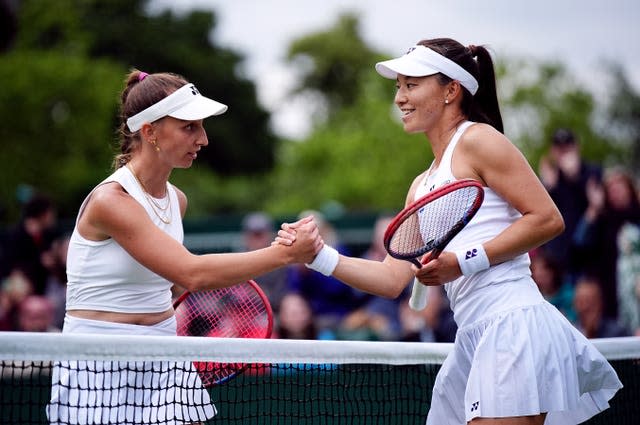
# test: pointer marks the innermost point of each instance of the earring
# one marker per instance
(446, 101)
(153, 142)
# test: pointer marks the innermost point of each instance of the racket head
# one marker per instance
(239, 311)
(429, 223)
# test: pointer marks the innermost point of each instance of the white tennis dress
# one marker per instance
(103, 276)
(514, 354)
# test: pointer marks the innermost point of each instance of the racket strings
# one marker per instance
(428, 225)
(235, 312)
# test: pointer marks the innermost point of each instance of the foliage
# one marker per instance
(66, 67)
(333, 62)
(539, 99)
(361, 158)
(56, 124)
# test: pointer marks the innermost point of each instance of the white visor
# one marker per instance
(186, 103)
(420, 61)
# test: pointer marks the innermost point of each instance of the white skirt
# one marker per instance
(121, 392)
(522, 362)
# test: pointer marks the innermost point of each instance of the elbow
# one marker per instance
(555, 225)
(190, 277)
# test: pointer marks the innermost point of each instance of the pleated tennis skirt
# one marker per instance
(524, 361)
(124, 392)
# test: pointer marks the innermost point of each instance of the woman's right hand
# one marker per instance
(302, 238)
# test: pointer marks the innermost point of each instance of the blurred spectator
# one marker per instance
(258, 232)
(611, 205)
(295, 319)
(552, 282)
(35, 314)
(628, 272)
(15, 288)
(330, 299)
(55, 260)
(589, 309)
(379, 318)
(432, 324)
(25, 243)
(5, 312)
(565, 175)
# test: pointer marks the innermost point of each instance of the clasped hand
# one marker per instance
(303, 237)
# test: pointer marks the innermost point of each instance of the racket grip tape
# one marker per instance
(419, 296)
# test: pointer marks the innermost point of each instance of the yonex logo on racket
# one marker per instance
(471, 254)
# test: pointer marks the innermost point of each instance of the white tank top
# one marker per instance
(103, 276)
(468, 295)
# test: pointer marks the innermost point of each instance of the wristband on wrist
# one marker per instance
(472, 260)
(326, 261)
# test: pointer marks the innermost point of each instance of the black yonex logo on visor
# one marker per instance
(411, 49)
(194, 90)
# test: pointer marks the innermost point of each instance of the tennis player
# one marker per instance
(516, 359)
(126, 253)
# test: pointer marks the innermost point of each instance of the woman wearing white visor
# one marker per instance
(516, 359)
(126, 253)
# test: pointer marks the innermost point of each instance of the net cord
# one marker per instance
(56, 346)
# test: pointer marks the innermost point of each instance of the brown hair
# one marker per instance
(141, 91)
(483, 106)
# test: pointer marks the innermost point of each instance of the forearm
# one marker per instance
(527, 233)
(386, 279)
(210, 271)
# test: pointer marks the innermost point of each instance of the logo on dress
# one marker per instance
(474, 406)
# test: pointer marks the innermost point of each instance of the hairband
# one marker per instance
(142, 76)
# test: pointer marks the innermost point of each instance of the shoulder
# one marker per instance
(107, 205)
(480, 136)
(182, 200)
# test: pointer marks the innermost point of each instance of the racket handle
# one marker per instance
(419, 296)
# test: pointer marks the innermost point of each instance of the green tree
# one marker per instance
(360, 157)
(59, 102)
(623, 118)
(332, 63)
(241, 140)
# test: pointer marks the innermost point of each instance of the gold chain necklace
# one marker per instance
(155, 206)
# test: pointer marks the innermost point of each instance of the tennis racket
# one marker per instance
(239, 311)
(429, 224)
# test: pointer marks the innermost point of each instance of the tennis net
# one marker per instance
(286, 382)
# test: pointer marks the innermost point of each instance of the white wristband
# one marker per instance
(326, 261)
(472, 260)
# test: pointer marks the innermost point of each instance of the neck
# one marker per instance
(152, 183)
(441, 137)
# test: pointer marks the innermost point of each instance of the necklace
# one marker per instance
(159, 210)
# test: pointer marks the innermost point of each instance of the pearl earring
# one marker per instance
(446, 101)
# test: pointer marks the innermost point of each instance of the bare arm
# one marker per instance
(386, 278)
(111, 212)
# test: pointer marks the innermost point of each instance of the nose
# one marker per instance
(400, 97)
(203, 140)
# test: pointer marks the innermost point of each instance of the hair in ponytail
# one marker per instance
(483, 106)
(141, 91)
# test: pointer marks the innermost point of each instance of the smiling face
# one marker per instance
(179, 141)
(421, 101)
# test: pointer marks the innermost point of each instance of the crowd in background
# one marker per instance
(591, 273)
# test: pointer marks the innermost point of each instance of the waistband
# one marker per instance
(73, 324)
(496, 298)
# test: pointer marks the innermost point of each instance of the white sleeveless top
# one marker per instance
(103, 276)
(466, 293)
